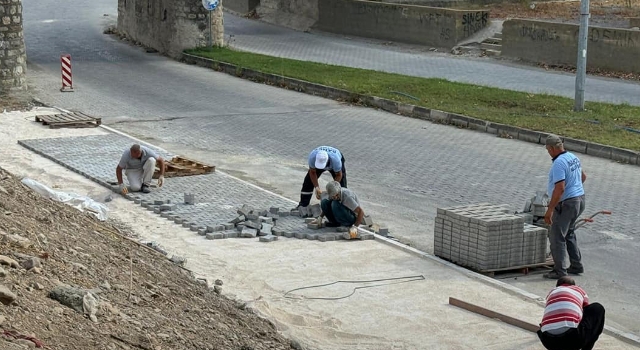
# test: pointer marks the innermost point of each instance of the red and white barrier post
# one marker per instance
(67, 82)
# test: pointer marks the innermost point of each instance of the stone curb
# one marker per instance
(620, 155)
(614, 332)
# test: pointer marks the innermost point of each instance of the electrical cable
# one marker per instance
(408, 278)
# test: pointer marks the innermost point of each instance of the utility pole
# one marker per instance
(581, 67)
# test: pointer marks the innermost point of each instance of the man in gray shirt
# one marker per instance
(139, 164)
(342, 208)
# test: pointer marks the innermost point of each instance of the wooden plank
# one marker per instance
(546, 263)
(492, 314)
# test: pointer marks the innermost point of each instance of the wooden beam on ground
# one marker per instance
(492, 314)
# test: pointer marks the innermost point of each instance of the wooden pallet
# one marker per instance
(68, 120)
(183, 166)
(511, 271)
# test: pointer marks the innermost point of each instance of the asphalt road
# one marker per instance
(402, 168)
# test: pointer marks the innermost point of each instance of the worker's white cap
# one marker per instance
(321, 159)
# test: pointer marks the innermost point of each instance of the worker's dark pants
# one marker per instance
(307, 185)
(582, 338)
(337, 213)
(562, 237)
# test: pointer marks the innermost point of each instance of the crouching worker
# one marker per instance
(341, 209)
(570, 322)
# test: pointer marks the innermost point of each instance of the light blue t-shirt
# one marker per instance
(126, 162)
(566, 167)
(335, 158)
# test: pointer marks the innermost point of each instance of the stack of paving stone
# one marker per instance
(487, 237)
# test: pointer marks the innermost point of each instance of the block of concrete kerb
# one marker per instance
(202, 232)
(268, 238)
(383, 231)
(178, 220)
(158, 202)
(274, 210)
(165, 214)
(277, 232)
(194, 227)
(288, 234)
(248, 232)
(312, 236)
(299, 235)
(229, 226)
(189, 198)
(215, 235)
(186, 223)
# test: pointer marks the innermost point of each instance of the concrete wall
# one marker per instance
(436, 27)
(557, 43)
(13, 57)
(634, 22)
(169, 26)
(296, 14)
(241, 6)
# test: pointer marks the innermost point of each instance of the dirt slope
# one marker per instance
(126, 296)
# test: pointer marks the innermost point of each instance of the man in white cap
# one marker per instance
(321, 159)
(565, 206)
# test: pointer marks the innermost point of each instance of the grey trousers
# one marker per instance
(562, 237)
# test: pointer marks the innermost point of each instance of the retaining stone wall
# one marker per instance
(13, 56)
(169, 26)
(437, 27)
(611, 49)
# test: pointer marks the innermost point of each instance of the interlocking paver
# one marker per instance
(212, 214)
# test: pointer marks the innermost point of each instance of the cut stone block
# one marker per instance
(264, 213)
(154, 209)
(168, 207)
(252, 216)
(249, 232)
(309, 220)
(215, 235)
(283, 213)
(244, 211)
(186, 224)
(189, 198)
(202, 232)
(157, 202)
(268, 238)
(274, 210)
(266, 219)
(240, 226)
(299, 235)
(178, 220)
(326, 237)
(288, 234)
(312, 236)
(229, 226)
(366, 236)
(277, 232)
(194, 227)
(383, 231)
(312, 226)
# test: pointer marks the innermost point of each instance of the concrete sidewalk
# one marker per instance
(260, 37)
(411, 315)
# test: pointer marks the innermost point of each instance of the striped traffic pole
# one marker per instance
(67, 83)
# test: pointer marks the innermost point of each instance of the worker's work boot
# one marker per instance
(575, 270)
(554, 275)
(145, 188)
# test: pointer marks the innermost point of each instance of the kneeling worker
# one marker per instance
(139, 164)
(570, 322)
(341, 209)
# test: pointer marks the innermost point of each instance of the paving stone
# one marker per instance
(229, 226)
(238, 219)
(274, 210)
(266, 228)
(157, 210)
(283, 213)
(186, 224)
(295, 213)
(300, 235)
(137, 201)
(253, 224)
(312, 236)
(312, 226)
(189, 198)
(268, 238)
(288, 234)
(309, 220)
(277, 232)
(178, 220)
(159, 202)
(263, 213)
(326, 237)
(194, 227)
(383, 231)
(249, 232)
(215, 235)
(168, 207)
(230, 234)
(253, 216)
(202, 232)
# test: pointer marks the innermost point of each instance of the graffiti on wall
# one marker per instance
(472, 22)
(536, 33)
(622, 38)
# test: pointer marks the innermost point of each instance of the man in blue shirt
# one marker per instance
(321, 159)
(565, 206)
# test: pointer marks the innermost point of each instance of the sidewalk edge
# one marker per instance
(616, 154)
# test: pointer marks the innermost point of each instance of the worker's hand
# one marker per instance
(353, 232)
(318, 221)
(160, 180)
(318, 193)
(547, 216)
(123, 189)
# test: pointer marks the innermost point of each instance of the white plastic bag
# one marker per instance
(77, 201)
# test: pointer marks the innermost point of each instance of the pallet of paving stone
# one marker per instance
(183, 166)
(69, 120)
(519, 270)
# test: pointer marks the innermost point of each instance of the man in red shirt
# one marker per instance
(570, 322)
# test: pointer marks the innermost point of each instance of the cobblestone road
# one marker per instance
(260, 37)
